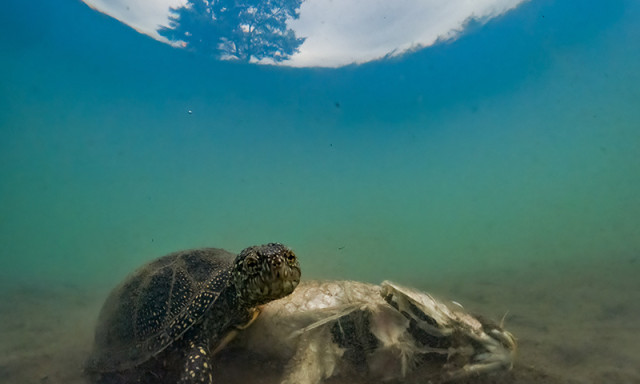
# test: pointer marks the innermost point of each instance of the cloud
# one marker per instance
(145, 16)
(356, 31)
(341, 32)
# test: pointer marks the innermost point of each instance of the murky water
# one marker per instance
(502, 168)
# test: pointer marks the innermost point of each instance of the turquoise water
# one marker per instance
(517, 143)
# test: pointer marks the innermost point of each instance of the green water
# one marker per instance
(501, 169)
(517, 144)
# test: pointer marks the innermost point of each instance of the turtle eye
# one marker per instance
(251, 263)
(291, 258)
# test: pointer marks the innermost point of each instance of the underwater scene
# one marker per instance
(365, 191)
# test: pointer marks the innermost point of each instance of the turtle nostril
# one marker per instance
(276, 262)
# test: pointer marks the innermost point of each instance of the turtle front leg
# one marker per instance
(197, 367)
(236, 329)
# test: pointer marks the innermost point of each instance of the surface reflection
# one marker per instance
(303, 33)
(247, 30)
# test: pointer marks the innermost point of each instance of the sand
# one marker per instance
(574, 324)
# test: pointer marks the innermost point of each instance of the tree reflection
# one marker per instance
(236, 29)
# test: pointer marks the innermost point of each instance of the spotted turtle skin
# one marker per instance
(162, 323)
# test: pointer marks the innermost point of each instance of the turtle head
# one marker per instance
(264, 273)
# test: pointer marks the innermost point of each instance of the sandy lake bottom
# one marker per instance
(574, 324)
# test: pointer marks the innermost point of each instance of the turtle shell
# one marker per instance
(156, 304)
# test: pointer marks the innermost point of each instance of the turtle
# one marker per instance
(163, 323)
